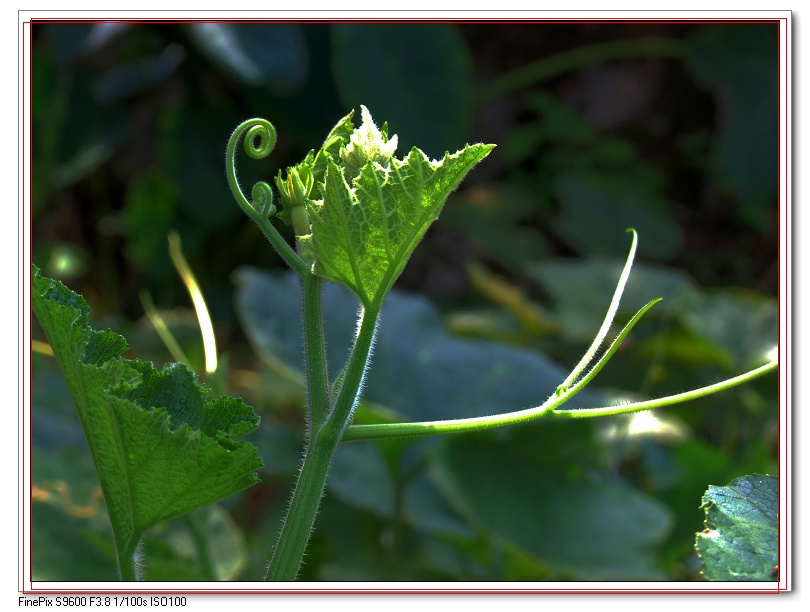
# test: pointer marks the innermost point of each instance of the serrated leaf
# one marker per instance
(741, 539)
(365, 227)
(159, 446)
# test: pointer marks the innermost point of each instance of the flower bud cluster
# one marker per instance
(367, 143)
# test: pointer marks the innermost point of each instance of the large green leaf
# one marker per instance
(419, 369)
(585, 530)
(159, 446)
(375, 208)
(741, 539)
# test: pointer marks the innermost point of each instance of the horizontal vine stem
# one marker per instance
(586, 413)
(546, 410)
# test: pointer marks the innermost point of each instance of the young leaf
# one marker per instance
(375, 208)
(160, 448)
(741, 539)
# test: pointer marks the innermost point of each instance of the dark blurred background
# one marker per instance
(667, 127)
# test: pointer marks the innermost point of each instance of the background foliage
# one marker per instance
(670, 128)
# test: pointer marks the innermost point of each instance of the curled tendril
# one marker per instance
(266, 135)
(259, 141)
(263, 199)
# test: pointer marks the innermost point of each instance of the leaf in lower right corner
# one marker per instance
(741, 539)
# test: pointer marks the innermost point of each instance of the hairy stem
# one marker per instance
(608, 320)
(317, 375)
(128, 563)
(300, 519)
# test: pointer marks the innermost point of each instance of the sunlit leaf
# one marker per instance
(376, 208)
(741, 539)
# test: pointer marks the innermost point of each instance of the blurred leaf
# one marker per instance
(427, 510)
(739, 63)
(491, 218)
(70, 532)
(591, 531)
(272, 54)
(149, 210)
(418, 369)
(222, 537)
(137, 77)
(73, 134)
(741, 539)
(279, 446)
(190, 152)
(53, 415)
(68, 41)
(359, 478)
(69, 548)
(685, 347)
(347, 543)
(418, 76)
(744, 326)
(580, 312)
(559, 121)
(597, 207)
(163, 563)
(102, 33)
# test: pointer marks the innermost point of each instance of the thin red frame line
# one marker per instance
(406, 21)
(27, 303)
(787, 300)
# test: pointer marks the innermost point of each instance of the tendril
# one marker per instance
(259, 141)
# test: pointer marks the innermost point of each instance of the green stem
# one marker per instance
(546, 410)
(201, 544)
(315, 351)
(560, 63)
(586, 413)
(127, 563)
(300, 519)
(349, 391)
(608, 320)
